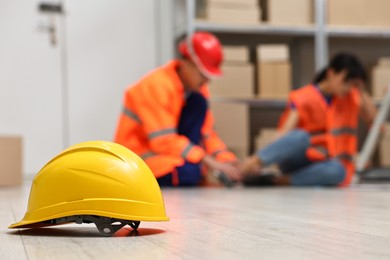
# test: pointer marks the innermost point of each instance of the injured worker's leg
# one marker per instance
(288, 152)
(326, 173)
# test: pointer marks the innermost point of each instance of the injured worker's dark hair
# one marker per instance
(344, 61)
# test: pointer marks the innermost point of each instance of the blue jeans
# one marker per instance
(289, 153)
(190, 125)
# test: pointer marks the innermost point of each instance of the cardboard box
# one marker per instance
(272, 53)
(232, 125)
(10, 160)
(296, 12)
(268, 133)
(373, 13)
(264, 138)
(241, 152)
(337, 12)
(232, 54)
(380, 81)
(234, 16)
(244, 2)
(387, 130)
(274, 80)
(261, 144)
(237, 81)
(385, 152)
(384, 61)
(377, 14)
(233, 4)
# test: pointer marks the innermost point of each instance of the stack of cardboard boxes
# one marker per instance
(264, 138)
(380, 78)
(233, 11)
(238, 74)
(372, 13)
(274, 71)
(232, 119)
(232, 125)
(247, 12)
(385, 147)
(10, 160)
(282, 12)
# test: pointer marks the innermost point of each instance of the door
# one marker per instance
(62, 76)
(30, 80)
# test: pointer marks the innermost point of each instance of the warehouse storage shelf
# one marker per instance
(358, 32)
(317, 30)
(253, 101)
(308, 30)
(255, 29)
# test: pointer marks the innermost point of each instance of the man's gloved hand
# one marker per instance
(224, 171)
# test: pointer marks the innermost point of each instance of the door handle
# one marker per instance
(53, 8)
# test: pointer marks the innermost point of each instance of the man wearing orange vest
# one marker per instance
(317, 136)
(166, 119)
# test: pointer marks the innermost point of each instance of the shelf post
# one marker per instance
(374, 133)
(191, 16)
(321, 37)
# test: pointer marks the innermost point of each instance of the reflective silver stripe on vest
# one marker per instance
(147, 155)
(344, 131)
(345, 157)
(162, 132)
(187, 150)
(131, 114)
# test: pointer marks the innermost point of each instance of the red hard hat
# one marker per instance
(205, 50)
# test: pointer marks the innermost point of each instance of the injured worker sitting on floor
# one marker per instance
(316, 140)
(167, 121)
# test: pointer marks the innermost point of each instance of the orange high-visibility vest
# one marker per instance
(333, 128)
(149, 120)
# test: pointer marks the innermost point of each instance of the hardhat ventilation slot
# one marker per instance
(106, 226)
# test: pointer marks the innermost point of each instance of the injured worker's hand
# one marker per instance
(232, 170)
(251, 165)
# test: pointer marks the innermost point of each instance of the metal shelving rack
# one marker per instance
(256, 29)
(321, 33)
(357, 32)
(319, 30)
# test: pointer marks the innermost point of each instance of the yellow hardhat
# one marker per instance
(94, 182)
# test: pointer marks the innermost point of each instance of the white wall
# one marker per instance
(59, 95)
(110, 44)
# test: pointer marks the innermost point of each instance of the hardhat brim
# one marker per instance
(214, 72)
(32, 223)
(31, 218)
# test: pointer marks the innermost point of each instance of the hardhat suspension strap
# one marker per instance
(106, 226)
